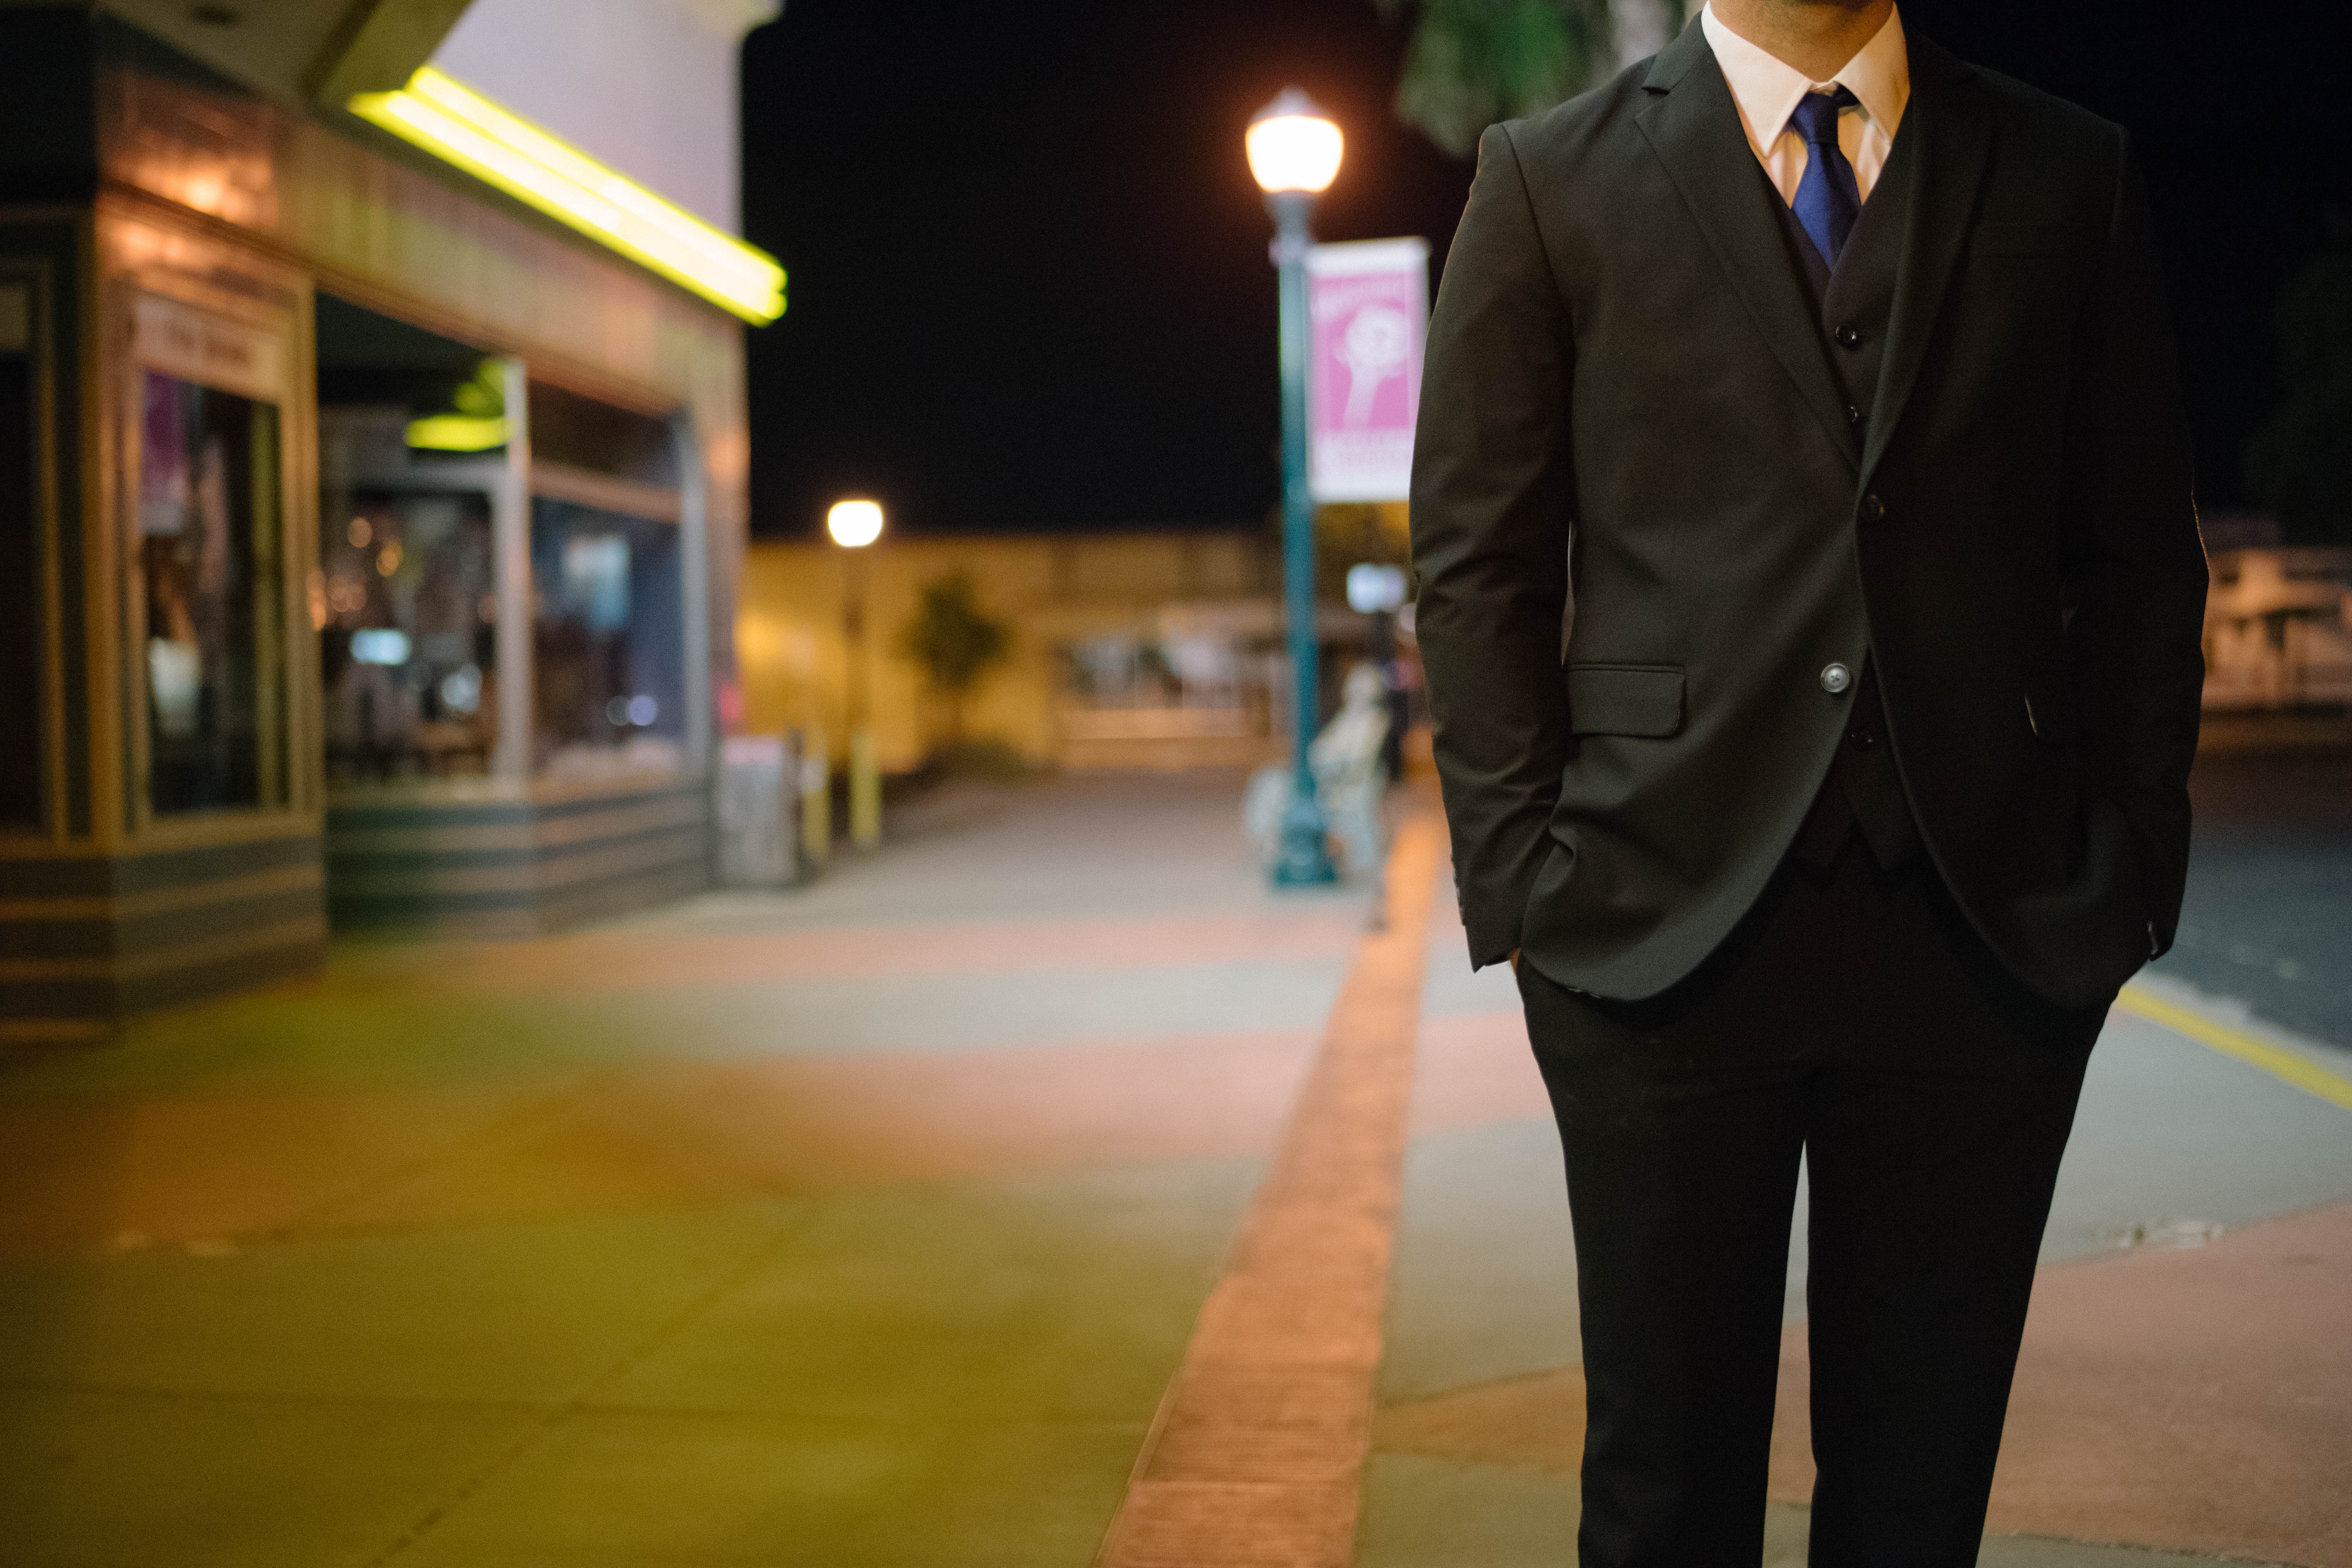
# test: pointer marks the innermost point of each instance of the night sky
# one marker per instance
(1029, 276)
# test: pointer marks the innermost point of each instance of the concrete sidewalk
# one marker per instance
(872, 1224)
(863, 1225)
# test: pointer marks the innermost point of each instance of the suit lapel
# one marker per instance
(1953, 127)
(1694, 129)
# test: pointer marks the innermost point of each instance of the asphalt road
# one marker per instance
(2269, 913)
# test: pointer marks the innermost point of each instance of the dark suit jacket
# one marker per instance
(1627, 395)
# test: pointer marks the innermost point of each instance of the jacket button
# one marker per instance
(1847, 338)
(1872, 508)
(1835, 678)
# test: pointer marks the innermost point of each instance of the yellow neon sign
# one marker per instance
(457, 433)
(456, 124)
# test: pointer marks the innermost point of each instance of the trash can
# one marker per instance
(759, 811)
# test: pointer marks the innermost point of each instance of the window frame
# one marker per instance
(234, 354)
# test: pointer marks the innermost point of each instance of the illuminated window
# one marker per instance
(410, 643)
(211, 584)
(610, 643)
(20, 639)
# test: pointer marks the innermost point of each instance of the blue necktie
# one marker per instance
(1828, 198)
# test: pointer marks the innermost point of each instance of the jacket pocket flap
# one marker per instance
(1624, 698)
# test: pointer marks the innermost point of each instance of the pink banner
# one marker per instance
(1368, 304)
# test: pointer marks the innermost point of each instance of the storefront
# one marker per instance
(367, 540)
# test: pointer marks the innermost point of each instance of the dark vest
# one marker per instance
(1852, 305)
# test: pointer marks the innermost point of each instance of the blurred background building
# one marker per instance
(1135, 647)
(1146, 647)
(2278, 638)
(372, 475)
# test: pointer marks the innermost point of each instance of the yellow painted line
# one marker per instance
(2275, 1060)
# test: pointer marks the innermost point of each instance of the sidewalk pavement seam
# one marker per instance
(581, 1401)
(2277, 1060)
(517, 1122)
(1255, 1456)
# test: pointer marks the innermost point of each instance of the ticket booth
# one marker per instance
(367, 540)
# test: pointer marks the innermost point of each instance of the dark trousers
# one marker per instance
(1854, 1017)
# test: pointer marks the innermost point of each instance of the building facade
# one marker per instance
(373, 470)
(1151, 649)
(2278, 647)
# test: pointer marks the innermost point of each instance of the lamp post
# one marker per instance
(1294, 153)
(854, 524)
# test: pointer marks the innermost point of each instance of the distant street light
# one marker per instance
(854, 524)
(1293, 149)
(1294, 153)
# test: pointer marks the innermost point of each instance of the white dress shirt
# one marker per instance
(1767, 89)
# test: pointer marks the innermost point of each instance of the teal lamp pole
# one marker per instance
(1294, 153)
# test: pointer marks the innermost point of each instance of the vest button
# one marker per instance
(1852, 415)
(1835, 678)
(1847, 338)
(1872, 508)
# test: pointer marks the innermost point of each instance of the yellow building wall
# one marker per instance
(1048, 591)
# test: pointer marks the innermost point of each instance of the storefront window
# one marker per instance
(610, 645)
(409, 647)
(20, 625)
(212, 577)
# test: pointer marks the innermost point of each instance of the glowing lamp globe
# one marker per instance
(853, 524)
(1293, 147)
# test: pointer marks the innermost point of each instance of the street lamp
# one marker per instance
(854, 524)
(1294, 153)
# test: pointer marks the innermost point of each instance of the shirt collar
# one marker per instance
(1768, 89)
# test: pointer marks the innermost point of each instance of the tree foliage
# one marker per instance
(954, 641)
(2300, 461)
(1473, 62)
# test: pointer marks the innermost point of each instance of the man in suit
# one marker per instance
(1810, 596)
